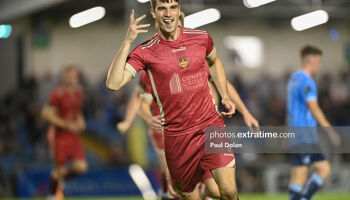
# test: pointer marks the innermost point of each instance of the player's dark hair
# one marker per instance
(153, 2)
(310, 50)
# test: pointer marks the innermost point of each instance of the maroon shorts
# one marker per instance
(207, 174)
(67, 148)
(188, 162)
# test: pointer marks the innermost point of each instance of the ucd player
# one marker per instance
(304, 111)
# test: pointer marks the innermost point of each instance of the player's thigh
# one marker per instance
(79, 165)
(225, 177)
(161, 157)
(299, 174)
(323, 168)
(212, 187)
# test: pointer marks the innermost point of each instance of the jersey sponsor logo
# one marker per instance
(187, 83)
(180, 49)
(175, 85)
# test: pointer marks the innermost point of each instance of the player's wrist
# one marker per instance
(128, 41)
(226, 98)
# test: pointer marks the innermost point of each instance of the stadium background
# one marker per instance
(41, 43)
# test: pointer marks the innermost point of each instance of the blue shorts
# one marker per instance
(306, 158)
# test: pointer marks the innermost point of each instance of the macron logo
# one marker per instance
(181, 49)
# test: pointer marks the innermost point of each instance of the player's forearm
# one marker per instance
(145, 111)
(234, 96)
(81, 121)
(116, 70)
(49, 115)
(319, 115)
(321, 118)
(218, 75)
(132, 107)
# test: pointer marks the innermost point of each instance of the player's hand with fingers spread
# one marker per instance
(230, 107)
(135, 28)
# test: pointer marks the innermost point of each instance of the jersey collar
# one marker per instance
(171, 41)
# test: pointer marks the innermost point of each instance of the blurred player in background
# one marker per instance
(304, 111)
(66, 123)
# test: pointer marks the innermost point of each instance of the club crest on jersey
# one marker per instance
(182, 61)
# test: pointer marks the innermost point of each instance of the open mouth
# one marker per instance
(168, 22)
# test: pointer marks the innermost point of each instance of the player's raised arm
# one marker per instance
(218, 75)
(118, 76)
(322, 121)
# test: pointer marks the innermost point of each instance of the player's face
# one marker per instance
(315, 61)
(167, 15)
(71, 77)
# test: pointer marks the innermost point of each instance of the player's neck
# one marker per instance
(170, 36)
(69, 87)
(307, 71)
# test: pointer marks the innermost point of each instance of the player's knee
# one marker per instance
(213, 192)
(81, 167)
(59, 172)
(228, 193)
(325, 170)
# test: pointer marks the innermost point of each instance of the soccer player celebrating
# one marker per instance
(175, 61)
(304, 111)
(66, 123)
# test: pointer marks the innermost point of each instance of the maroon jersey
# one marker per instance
(67, 103)
(179, 78)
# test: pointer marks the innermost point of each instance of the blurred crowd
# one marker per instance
(23, 133)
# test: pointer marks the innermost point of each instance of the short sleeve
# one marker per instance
(145, 84)
(135, 61)
(309, 91)
(210, 46)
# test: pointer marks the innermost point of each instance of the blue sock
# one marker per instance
(313, 184)
(295, 191)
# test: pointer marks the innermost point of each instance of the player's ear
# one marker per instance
(153, 13)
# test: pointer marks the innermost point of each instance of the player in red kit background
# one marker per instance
(66, 123)
(175, 61)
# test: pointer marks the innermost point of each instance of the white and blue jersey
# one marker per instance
(301, 89)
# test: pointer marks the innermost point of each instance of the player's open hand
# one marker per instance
(229, 106)
(135, 28)
(156, 123)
